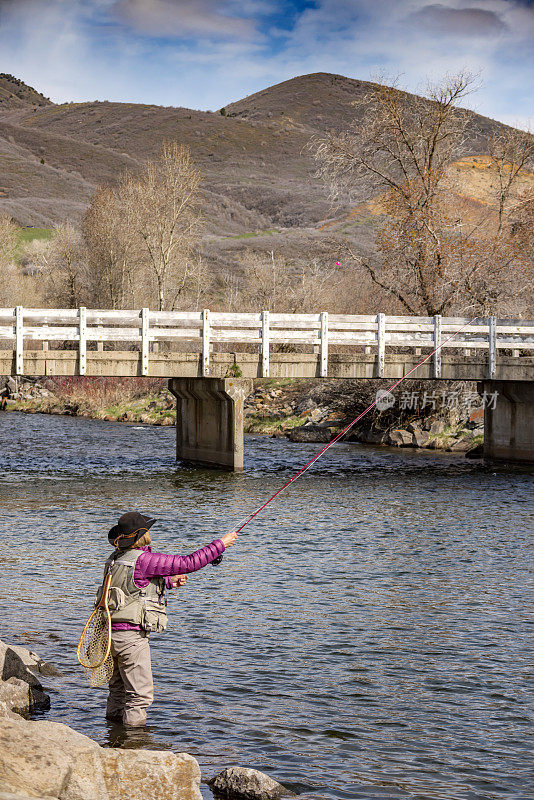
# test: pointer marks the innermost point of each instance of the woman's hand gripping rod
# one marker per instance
(239, 528)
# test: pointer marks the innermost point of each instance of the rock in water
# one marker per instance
(400, 438)
(32, 660)
(19, 687)
(241, 783)
(19, 696)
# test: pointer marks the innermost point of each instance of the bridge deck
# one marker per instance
(250, 345)
(249, 365)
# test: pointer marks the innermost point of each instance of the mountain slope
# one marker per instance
(14, 93)
(258, 172)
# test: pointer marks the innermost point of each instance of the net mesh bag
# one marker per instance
(99, 676)
(94, 649)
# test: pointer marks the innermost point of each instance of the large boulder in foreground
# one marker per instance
(147, 774)
(241, 783)
(48, 759)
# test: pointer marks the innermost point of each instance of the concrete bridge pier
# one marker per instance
(509, 421)
(209, 420)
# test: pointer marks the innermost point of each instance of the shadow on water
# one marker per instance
(369, 636)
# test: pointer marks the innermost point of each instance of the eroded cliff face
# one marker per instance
(41, 759)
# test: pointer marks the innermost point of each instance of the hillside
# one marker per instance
(259, 184)
(14, 93)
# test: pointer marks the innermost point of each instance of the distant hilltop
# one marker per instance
(259, 187)
(14, 93)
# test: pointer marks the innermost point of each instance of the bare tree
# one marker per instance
(8, 239)
(8, 242)
(64, 267)
(228, 291)
(142, 236)
(432, 257)
(17, 285)
(163, 212)
(265, 281)
(107, 232)
(402, 144)
(274, 283)
(511, 152)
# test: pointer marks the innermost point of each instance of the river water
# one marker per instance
(370, 636)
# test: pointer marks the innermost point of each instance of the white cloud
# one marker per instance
(441, 19)
(124, 49)
(184, 18)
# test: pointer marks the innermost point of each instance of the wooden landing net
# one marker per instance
(94, 647)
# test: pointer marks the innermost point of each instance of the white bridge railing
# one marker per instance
(201, 329)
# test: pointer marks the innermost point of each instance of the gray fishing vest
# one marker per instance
(128, 603)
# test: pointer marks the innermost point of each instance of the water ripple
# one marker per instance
(369, 637)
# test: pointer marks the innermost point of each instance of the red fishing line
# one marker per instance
(348, 427)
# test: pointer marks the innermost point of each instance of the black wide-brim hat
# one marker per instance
(129, 529)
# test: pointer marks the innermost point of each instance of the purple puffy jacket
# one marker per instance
(159, 565)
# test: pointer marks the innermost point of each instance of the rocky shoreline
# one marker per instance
(299, 410)
(315, 411)
(129, 402)
(41, 759)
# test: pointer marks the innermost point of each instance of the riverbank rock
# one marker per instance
(310, 433)
(241, 783)
(475, 452)
(20, 689)
(33, 661)
(420, 437)
(437, 427)
(460, 446)
(19, 696)
(400, 438)
(368, 436)
(49, 759)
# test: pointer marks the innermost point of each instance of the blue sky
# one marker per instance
(207, 53)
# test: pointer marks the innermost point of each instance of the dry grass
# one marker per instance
(99, 394)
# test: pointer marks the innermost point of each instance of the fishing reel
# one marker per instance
(216, 561)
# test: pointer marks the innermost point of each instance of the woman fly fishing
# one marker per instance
(134, 605)
(131, 603)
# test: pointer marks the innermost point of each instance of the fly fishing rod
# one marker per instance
(340, 435)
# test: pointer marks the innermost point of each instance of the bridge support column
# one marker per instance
(509, 422)
(209, 420)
